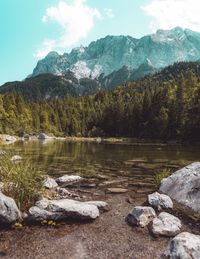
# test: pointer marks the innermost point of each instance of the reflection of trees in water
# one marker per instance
(60, 155)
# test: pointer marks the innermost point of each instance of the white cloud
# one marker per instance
(109, 12)
(76, 20)
(167, 14)
(47, 46)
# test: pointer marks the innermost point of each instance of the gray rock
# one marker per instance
(184, 246)
(166, 225)
(50, 183)
(62, 209)
(9, 212)
(16, 158)
(141, 216)
(43, 136)
(160, 201)
(7, 138)
(184, 186)
(68, 179)
(101, 205)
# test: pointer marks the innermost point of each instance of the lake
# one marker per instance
(126, 165)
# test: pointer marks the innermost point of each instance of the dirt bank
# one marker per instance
(107, 237)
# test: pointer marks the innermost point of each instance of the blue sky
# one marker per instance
(31, 28)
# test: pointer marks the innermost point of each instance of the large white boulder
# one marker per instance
(63, 209)
(160, 201)
(9, 212)
(184, 186)
(184, 246)
(141, 216)
(166, 225)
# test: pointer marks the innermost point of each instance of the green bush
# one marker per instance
(159, 176)
(21, 181)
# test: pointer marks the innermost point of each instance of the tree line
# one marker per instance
(163, 106)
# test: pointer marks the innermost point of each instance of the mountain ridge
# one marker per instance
(111, 53)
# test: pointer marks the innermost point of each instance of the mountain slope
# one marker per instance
(112, 53)
(48, 86)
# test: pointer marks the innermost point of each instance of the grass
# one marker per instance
(159, 176)
(22, 181)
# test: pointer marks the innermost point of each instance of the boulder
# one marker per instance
(101, 205)
(166, 225)
(141, 216)
(68, 179)
(9, 212)
(7, 138)
(50, 183)
(62, 210)
(160, 201)
(43, 136)
(184, 246)
(184, 186)
(16, 158)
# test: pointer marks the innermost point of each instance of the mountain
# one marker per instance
(106, 63)
(112, 53)
(49, 86)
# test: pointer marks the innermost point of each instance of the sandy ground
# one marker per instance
(107, 237)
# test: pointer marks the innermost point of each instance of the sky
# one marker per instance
(29, 29)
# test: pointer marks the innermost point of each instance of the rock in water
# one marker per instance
(68, 179)
(43, 136)
(9, 212)
(16, 158)
(184, 246)
(184, 186)
(166, 225)
(62, 209)
(141, 216)
(160, 201)
(50, 183)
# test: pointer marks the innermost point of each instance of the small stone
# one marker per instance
(160, 201)
(141, 216)
(50, 183)
(16, 158)
(166, 225)
(184, 246)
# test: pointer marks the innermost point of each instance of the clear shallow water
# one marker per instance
(129, 164)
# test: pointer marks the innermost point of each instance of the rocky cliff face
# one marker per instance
(113, 53)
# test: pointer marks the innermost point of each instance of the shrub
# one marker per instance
(159, 176)
(21, 181)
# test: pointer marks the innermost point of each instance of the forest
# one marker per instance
(163, 106)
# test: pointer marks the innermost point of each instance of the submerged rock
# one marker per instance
(9, 212)
(184, 186)
(160, 201)
(68, 179)
(166, 225)
(184, 246)
(116, 190)
(63, 209)
(50, 183)
(141, 216)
